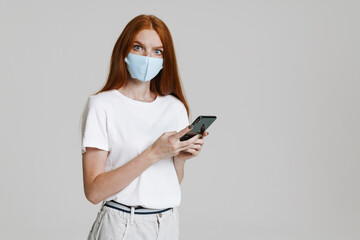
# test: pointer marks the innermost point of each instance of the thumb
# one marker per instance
(184, 131)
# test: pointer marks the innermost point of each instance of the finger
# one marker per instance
(184, 131)
(204, 134)
(195, 138)
(194, 152)
(188, 142)
(170, 133)
(196, 147)
(190, 150)
(199, 141)
(188, 145)
(182, 148)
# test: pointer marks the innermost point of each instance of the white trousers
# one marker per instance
(118, 225)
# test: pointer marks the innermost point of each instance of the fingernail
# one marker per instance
(191, 126)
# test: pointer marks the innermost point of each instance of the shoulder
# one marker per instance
(174, 101)
(176, 104)
(100, 99)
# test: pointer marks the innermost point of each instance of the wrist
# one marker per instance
(179, 160)
(152, 157)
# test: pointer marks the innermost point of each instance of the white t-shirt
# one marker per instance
(126, 127)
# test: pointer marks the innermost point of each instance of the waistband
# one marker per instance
(137, 210)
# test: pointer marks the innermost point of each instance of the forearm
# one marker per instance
(179, 168)
(112, 182)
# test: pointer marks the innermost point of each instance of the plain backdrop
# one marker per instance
(281, 161)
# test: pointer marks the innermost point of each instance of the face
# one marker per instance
(147, 43)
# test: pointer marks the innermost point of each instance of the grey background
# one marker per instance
(281, 161)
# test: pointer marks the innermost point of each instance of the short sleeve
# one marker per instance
(94, 126)
(183, 118)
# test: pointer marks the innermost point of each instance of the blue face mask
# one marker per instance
(142, 67)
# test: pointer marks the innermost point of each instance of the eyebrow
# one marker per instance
(143, 44)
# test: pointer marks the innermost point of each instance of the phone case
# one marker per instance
(200, 124)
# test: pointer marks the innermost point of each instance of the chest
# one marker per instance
(133, 130)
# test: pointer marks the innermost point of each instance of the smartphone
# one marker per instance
(200, 124)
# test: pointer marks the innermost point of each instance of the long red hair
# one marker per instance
(167, 81)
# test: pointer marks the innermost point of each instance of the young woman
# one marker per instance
(133, 160)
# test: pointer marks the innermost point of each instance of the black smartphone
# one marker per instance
(200, 124)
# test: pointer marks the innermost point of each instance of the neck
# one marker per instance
(138, 90)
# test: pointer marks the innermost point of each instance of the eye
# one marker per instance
(158, 51)
(136, 47)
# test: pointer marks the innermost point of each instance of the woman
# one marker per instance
(133, 159)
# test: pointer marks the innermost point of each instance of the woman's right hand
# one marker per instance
(169, 144)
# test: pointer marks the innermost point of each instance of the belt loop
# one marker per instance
(158, 218)
(102, 204)
(132, 214)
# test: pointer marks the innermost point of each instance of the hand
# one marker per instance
(193, 150)
(169, 144)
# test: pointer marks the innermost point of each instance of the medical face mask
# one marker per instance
(142, 67)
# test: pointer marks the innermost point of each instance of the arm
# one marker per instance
(193, 151)
(99, 185)
(179, 168)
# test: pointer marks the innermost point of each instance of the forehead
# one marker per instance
(149, 37)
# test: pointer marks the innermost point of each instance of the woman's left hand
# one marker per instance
(193, 150)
